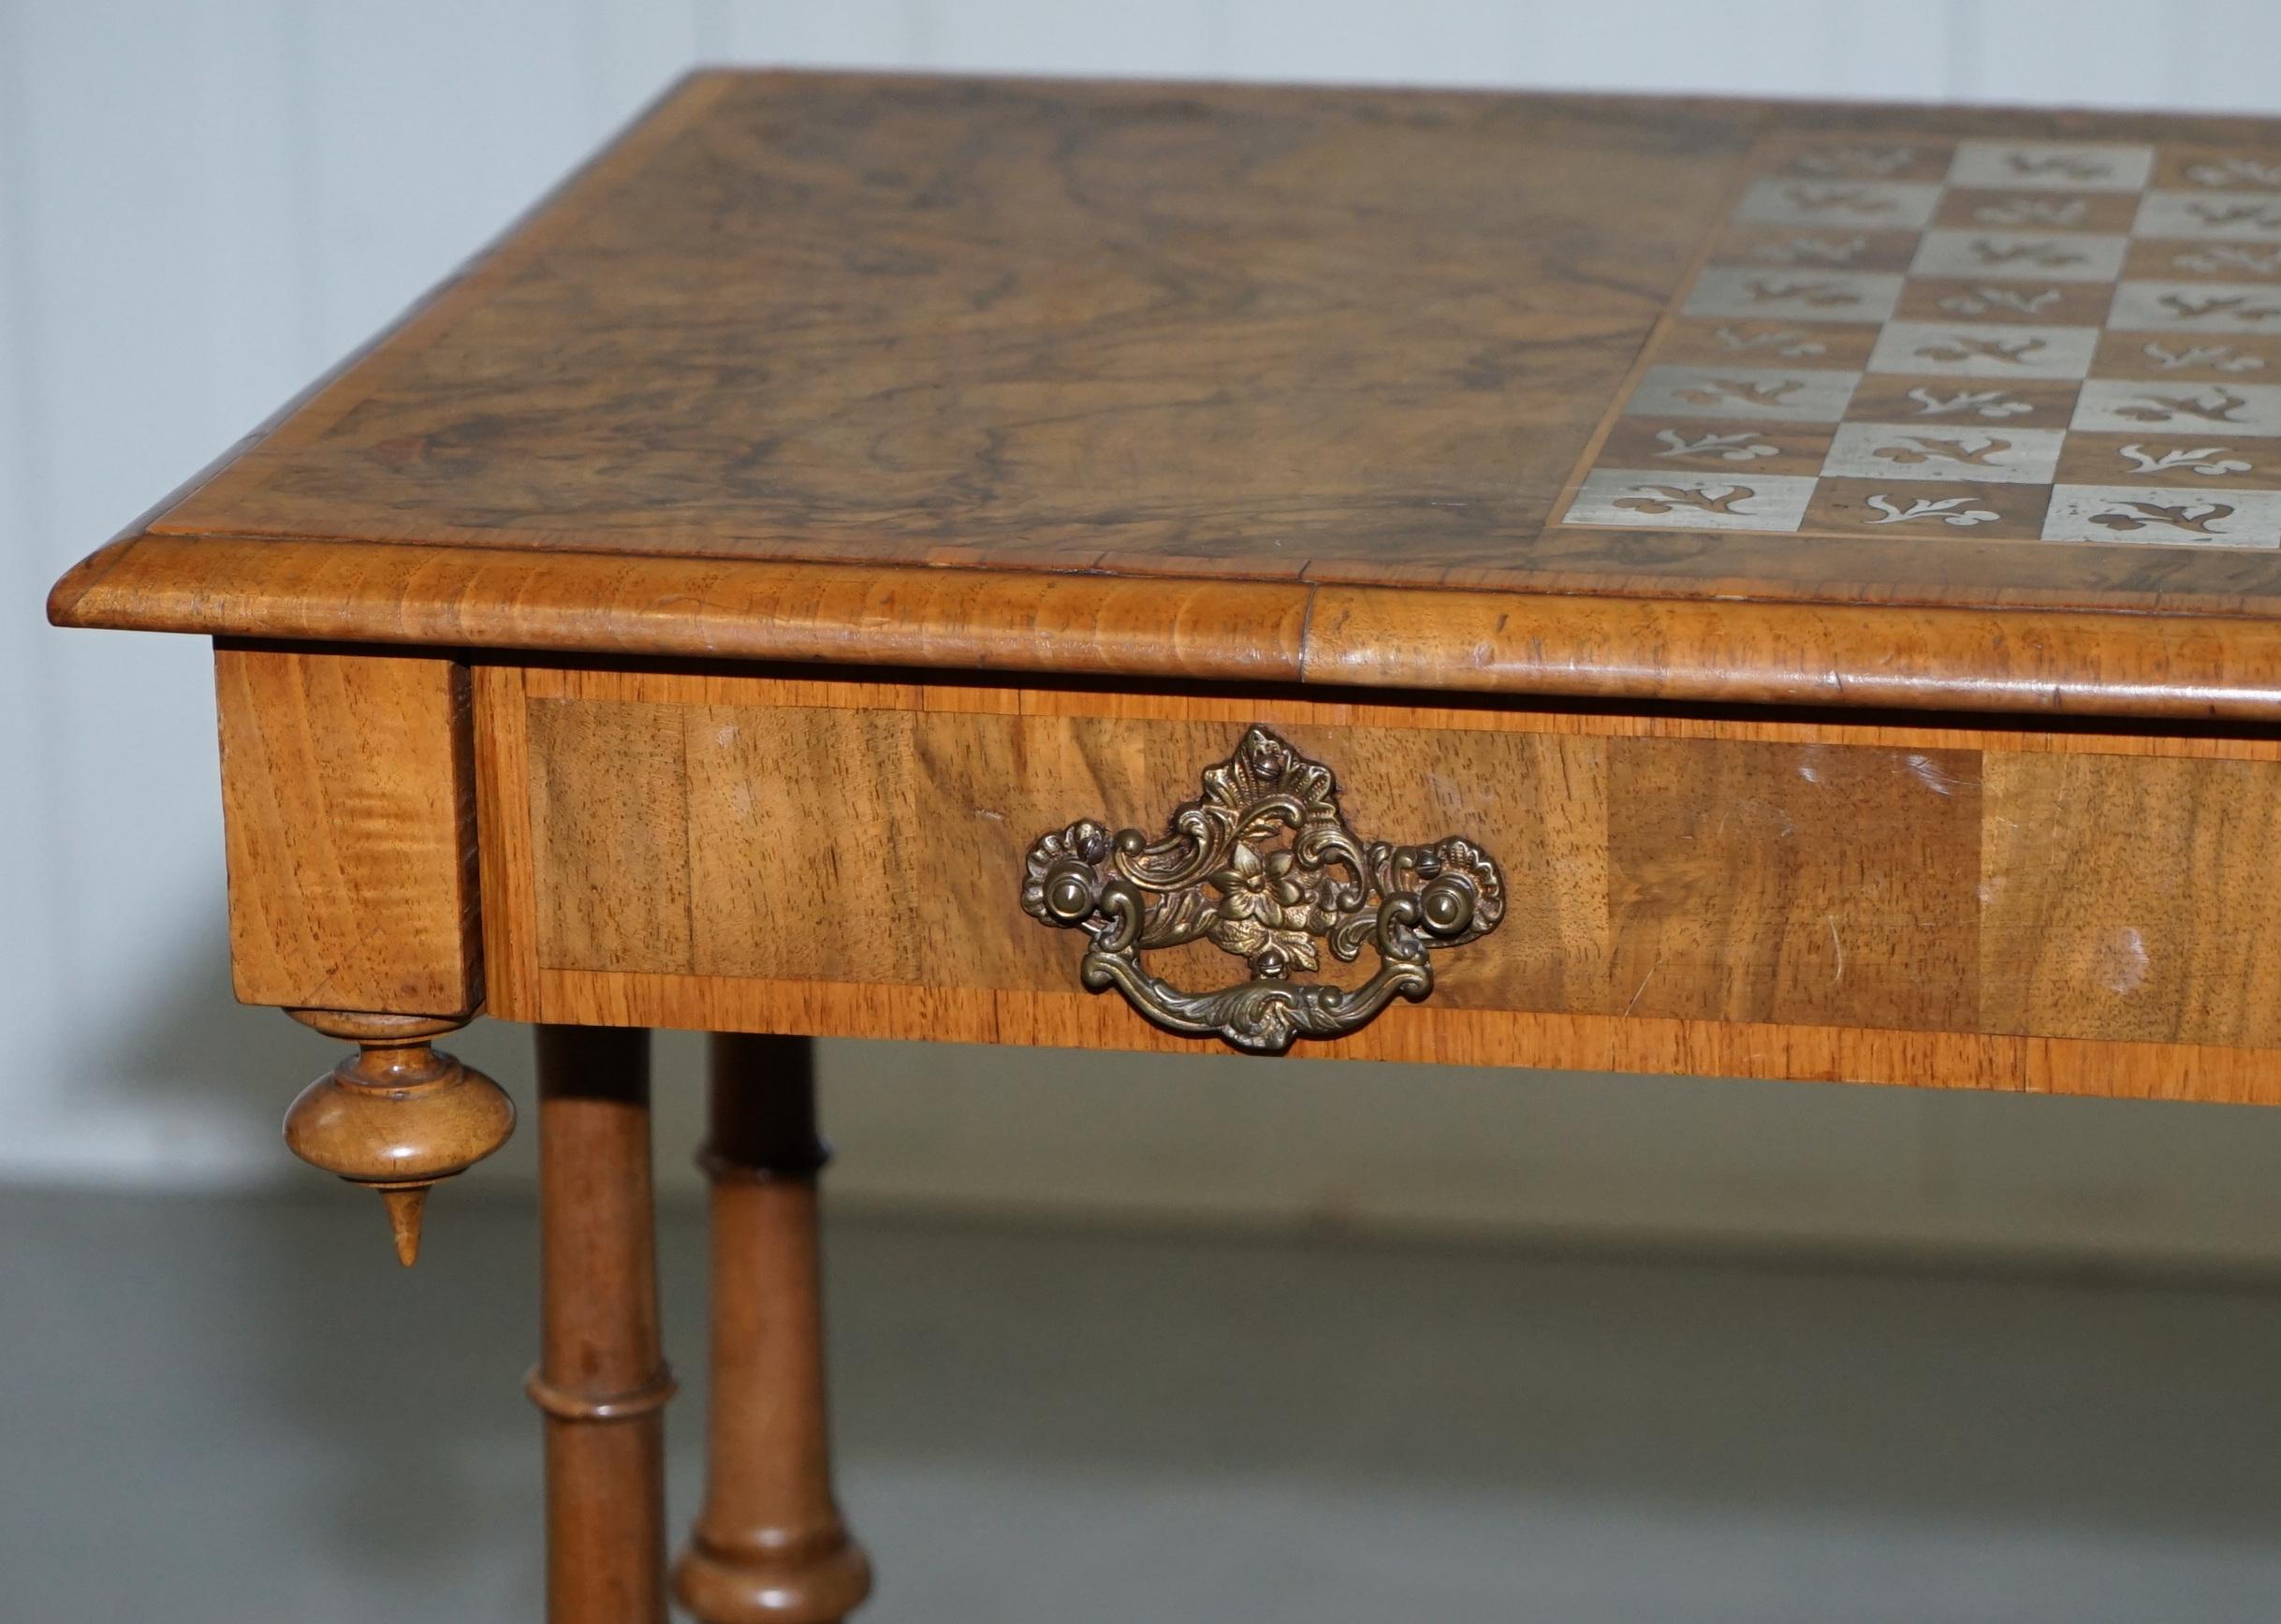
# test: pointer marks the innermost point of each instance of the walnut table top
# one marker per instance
(1678, 399)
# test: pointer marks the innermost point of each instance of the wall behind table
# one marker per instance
(202, 206)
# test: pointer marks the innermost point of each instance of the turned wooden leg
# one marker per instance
(602, 1380)
(397, 1116)
(770, 1543)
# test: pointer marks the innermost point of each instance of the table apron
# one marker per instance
(1778, 895)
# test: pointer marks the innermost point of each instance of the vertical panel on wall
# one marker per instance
(2077, 52)
(630, 50)
(1431, 42)
(1770, 47)
(2219, 54)
(437, 121)
(28, 845)
(249, 261)
(118, 277)
(116, 157)
(879, 31)
(1170, 39)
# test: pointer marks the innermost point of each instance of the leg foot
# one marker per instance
(770, 1543)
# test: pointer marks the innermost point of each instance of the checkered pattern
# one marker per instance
(2056, 341)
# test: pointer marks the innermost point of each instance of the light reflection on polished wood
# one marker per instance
(348, 795)
(770, 1543)
(601, 1382)
(398, 1116)
(1786, 895)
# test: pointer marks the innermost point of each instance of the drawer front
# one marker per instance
(2002, 909)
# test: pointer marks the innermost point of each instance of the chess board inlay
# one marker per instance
(2057, 342)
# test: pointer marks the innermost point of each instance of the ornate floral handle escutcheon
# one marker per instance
(1262, 867)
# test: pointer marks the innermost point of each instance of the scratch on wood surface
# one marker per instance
(1643, 986)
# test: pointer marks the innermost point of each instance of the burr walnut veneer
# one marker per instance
(1693, 586)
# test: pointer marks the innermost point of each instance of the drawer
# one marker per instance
(2012, 908)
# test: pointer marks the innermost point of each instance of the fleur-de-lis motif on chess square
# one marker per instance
(1970, 451)
(2264, 217)
(2235, 172)
(1740, 392)
(1742, 448)
(1955, 510)
(2016, 300)
(2044, 255)
(2058, 211)
(2230, 257)
(1812, 251)
(2211, 405)
(1671, 498)
(1787, 343)
(2202, 306)
(2223, 358)
(1786, 290)
(1840, 162)
(1837, 201)
(1962, 347)
(2196, 518)
(2205, 459)
(2068, 166)
(1980, 403)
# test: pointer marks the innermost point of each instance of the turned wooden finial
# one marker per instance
(397, 1116)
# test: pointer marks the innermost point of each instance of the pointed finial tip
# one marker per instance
(405, 1204)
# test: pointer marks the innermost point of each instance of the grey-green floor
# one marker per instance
(238, 1411)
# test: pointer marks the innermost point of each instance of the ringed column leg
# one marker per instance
(602, 1380)
(770, 1543)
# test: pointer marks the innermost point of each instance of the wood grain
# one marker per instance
(321, 592)
(1748, 894)
(602, 1383)
(1104, 333)
(1428, 1036)
(769, 1546)
(2133, 906)
(2013, 661)
(601, 775)
(349, 802)
(1196, 381)
(399, 1115)
(1822, 883)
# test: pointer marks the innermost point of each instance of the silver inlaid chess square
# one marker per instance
(1914, 451)
(1852, 205)
(2195, 307)
(2218, 411)
(2036, 256)
(2166, 516)
(2227, 259)
(1855, 161)
(1730, 292)
(2051, 165)
(2252, 217)
(1808, 395)
(2236, 171)
(1659, 499)
(1985, 349)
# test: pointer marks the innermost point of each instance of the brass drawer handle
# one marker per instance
(1262, 867)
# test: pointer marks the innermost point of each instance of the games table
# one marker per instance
(1712, 587)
